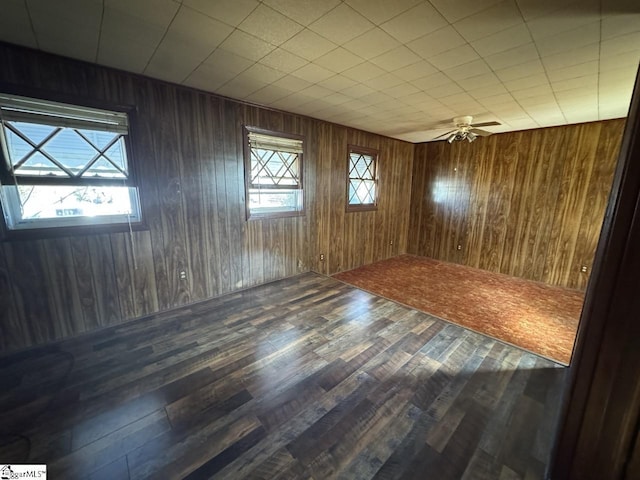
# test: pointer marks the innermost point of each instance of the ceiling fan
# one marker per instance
(466, 130)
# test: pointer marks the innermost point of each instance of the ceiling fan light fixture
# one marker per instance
(471, 136)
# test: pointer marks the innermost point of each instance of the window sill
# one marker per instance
(361, 208)
(57, 232)
(273, 216)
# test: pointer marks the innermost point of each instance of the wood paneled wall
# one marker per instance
(187, 147)
(528, 204)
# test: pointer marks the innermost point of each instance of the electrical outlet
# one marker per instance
(183, 274)
(459, 247)
(300, 264)
(322, 257)
(390, 242)
(584, 269)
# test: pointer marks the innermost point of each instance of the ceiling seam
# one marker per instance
(162, 39)
(33, 28)
(100, 32)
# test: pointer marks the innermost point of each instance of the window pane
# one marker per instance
(41, 166)
(362, 179)
(272, 201)
(71, 150)
(46, 201)
(269, 167)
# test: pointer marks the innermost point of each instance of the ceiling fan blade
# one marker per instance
(481, 133)
(444, 134)
(486, 124)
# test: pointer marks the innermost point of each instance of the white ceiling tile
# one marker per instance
(336, 98)
(505, 40)
(283, 60)
(268, 95)
(129, 56)
(537, 8)
(309, 45)
(67, 27)
(581, 70)
(208, 77)
(372, 43)
(570, 40)
(358, 91)
(454, 57)
(445, 90)
(241, 88)
(415, 22)
(292, 83)
(572, 83)
(514, 56)
(303, 11)
(246, 45)
(15, 26)
(572, 57)
(341, 24)
(437, 42)
(313, 73)
(402, 90)
(395, 59)
(627, 59)
(454, 11)
(486, 92)
(364, 71)
(261, 73)
(171, 65)
(378, 11)
(629, 42)
(337, 83)
(338, 60)
(494, 19)
(431, 81)
(416, 70)
(272, 27)
(620, 24)
(217, 70)
(529, 81)
(316, 92)
(231, 12)
(499, 99)
(565, 19)
(521, 94)
(471, 69)
(290, 103)
(193, 33)
(479, 81)
(131, 31)
(522, 70)
(383, 82)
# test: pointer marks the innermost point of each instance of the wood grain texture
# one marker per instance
(528, 204)
(187, 150)
(305, 377)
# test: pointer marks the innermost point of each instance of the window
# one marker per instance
(64, 165)
(362, 183)
(273, 172)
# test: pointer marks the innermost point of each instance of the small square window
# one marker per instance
(64, 165)
(362, 179)
(273, 171)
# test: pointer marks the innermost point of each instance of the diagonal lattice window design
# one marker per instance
(274, 180)
(362, 179)
(64, 165)
(44, 150)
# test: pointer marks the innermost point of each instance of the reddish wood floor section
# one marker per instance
(531, 315)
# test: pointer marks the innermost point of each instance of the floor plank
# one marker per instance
(302, 378)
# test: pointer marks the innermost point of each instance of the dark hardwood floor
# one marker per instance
(302, 378)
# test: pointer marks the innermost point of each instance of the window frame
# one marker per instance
(246, 129)
(87, 227)
(363, 207)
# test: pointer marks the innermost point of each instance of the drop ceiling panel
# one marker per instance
(400, 68)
